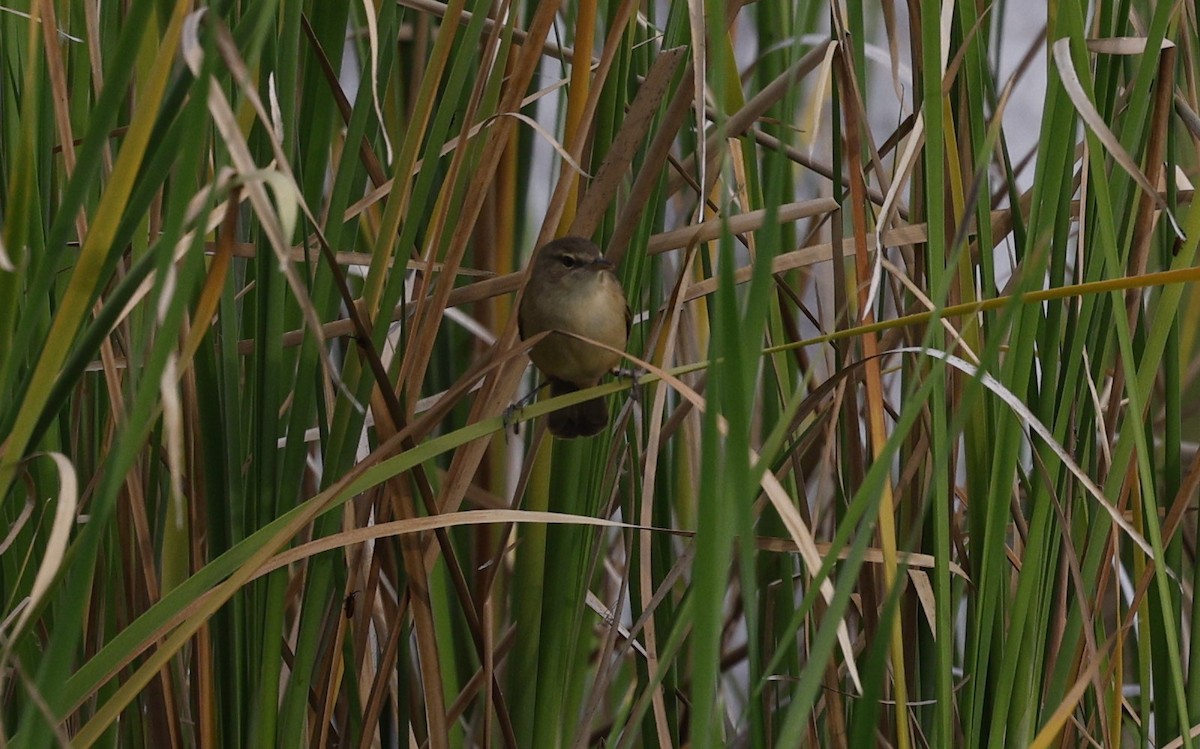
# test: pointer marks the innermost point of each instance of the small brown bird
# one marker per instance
(572, 288)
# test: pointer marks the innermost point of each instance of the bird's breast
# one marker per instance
(594, 309)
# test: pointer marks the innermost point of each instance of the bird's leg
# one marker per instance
(631, 374)
(513, 408)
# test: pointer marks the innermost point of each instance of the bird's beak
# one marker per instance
(603, 262)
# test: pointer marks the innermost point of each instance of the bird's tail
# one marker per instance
(580, 420)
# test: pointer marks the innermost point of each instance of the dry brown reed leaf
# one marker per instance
(630, 137)
(648, 176)
(741, 223)
(565, 187)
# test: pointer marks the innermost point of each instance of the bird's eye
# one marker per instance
(567, 261)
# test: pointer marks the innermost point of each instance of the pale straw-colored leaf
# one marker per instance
(55, 550)
(1087, 111)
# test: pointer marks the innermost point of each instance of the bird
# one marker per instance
(572, 289)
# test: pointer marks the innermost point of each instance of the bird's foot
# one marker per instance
(511, 414)
(635, 387)
(509, 418)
